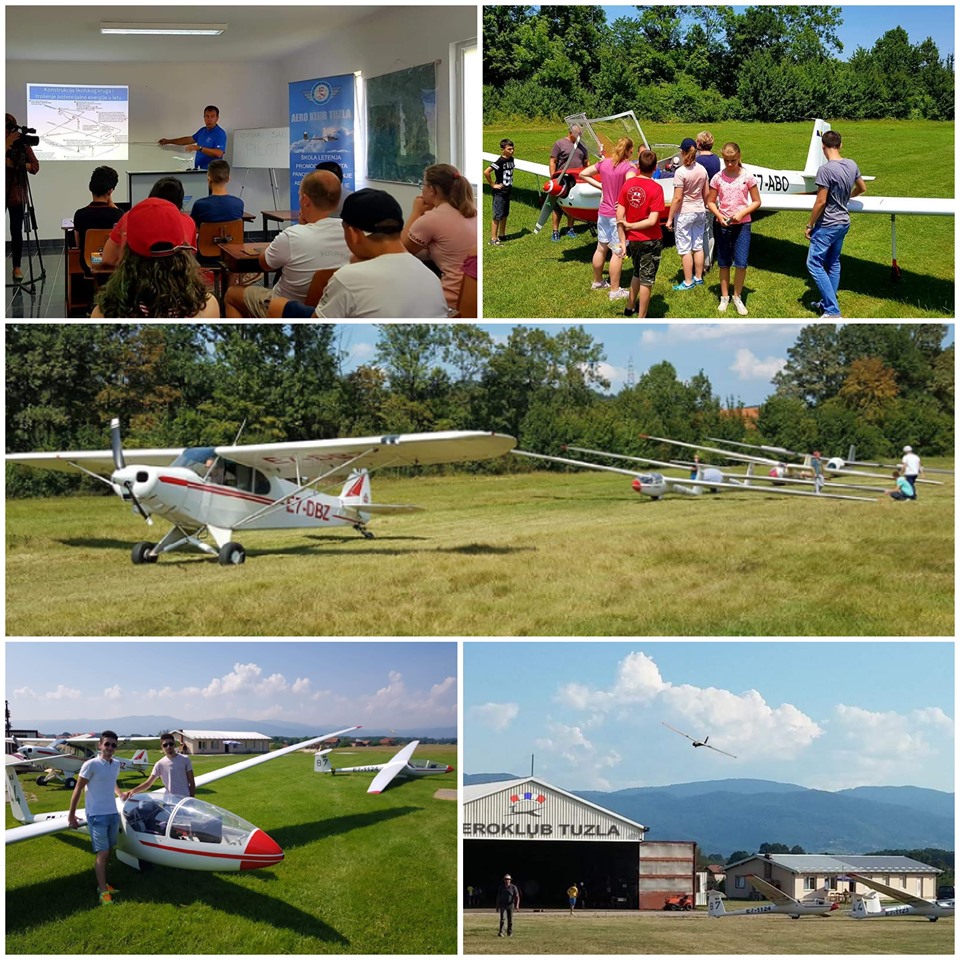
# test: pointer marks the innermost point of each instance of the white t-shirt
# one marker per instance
(911, 464)
(173, 772)
(303, 249)
(101, 777)
(391, 285)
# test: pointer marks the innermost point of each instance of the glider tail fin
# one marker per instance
(141, 756)
(356, 491)
(321, 762)
(18, 802)
(815, 157)
(715, 904)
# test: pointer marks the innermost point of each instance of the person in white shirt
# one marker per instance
(98, 776)
(383, 279)
(174, 769)
(911, 467)
(315, 243)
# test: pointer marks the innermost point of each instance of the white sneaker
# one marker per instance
(741, 309)
(723, 304)
(619, 294)
(601, 285)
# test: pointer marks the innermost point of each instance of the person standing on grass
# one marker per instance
(838, 180)
(911, 468)
(614, 172)
(98, 776)
(572, 892)
(639, 207)
(732, 199)
(501, 186)
(563, 150)
(174, 769)
(508, 900)
(689, 209)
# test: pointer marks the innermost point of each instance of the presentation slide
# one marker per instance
(79, 121)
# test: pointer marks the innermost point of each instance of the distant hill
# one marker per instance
(150, 725)
(727, 815)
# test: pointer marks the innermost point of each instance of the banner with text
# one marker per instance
(321, 128)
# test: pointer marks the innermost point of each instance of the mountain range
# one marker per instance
(149, 725)
(728, 815)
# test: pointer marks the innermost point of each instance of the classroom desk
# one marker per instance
(280, 216)
(241, 258)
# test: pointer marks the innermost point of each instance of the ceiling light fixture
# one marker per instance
(166, 29)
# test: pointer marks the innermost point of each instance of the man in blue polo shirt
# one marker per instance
(209, 142)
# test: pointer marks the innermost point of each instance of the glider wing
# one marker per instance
(892, 892)
(772, 893)
(930, 206)
(391, 769)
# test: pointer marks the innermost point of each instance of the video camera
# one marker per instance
(25, 140)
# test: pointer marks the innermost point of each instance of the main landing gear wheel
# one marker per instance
(141, 552)
(232, 553)
(70, 783)
(41, 780)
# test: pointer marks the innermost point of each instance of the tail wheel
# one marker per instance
(232, 553)
(141, 552)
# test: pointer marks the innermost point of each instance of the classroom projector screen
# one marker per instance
(78, 121)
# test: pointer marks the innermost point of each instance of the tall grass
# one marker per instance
(542, 554)
(530, 276)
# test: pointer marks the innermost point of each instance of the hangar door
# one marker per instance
(544, 869)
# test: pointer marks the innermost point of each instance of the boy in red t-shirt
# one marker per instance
(639, 207)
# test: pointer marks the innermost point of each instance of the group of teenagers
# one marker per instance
(633, 204)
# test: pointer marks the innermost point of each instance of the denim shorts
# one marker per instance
(501, 204)
(733, 244)
(103, 831)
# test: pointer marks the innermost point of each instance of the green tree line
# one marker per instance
(704, 64)
(878, 386)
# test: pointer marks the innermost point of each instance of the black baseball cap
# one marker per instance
(372, 211)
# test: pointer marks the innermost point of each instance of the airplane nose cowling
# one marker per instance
(636, 485)
(262, 851)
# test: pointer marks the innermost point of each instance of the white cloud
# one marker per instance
(698, 332)
(113, 693)
(62, 693)
(497, 716)
(301, 685)
(241, 678)
(569, 743)
(25, 693)
(745, 721)
(748, 366)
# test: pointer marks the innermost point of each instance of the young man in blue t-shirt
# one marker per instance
(219, 207)
(209, 142)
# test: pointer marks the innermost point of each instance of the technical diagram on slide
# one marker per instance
(79, 122)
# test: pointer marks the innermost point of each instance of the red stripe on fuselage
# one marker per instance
(263, 859)
(218, 491)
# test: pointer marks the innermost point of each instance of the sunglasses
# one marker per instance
(170, 744)
(108, 743)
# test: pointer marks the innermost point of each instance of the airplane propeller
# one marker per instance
(116, 445)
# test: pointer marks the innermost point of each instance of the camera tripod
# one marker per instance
(29, 227)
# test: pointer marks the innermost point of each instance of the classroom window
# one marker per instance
(465, 114)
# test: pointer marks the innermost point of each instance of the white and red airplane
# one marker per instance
(780, 902)
(657, 485)
(65, 767)
(398, 766)
(173, 831)
(793, 190)
(869, 907)
(698, 743)
(267, 486)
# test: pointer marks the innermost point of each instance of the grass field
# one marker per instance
(349, 883)
(696, 933)
(530, 276)
(533, 554)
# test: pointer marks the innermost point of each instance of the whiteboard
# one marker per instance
(262, 149)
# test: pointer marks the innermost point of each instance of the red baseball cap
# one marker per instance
(155, 229)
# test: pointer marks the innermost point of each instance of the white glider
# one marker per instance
(400, 765)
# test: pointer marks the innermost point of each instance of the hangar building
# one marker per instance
(547, 838)
(224, 741)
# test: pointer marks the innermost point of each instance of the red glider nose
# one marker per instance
(449, 768)
(636, 485)
(262, 851)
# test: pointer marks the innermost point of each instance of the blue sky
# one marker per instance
(864, 25)
(739, 358)
(826, 715)
(397, 685)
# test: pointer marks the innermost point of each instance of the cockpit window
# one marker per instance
(204, 462)
(195, 459)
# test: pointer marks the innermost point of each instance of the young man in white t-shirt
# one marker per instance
(315, 243)
(384, 279)
(99, 777)
(174, 769)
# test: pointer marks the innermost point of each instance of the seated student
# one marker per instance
(315, 243)
(333, 167)
(166, 188)
(157, 276)
(219, 207)
(384, 279)
(443, 225)
(101, 213)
